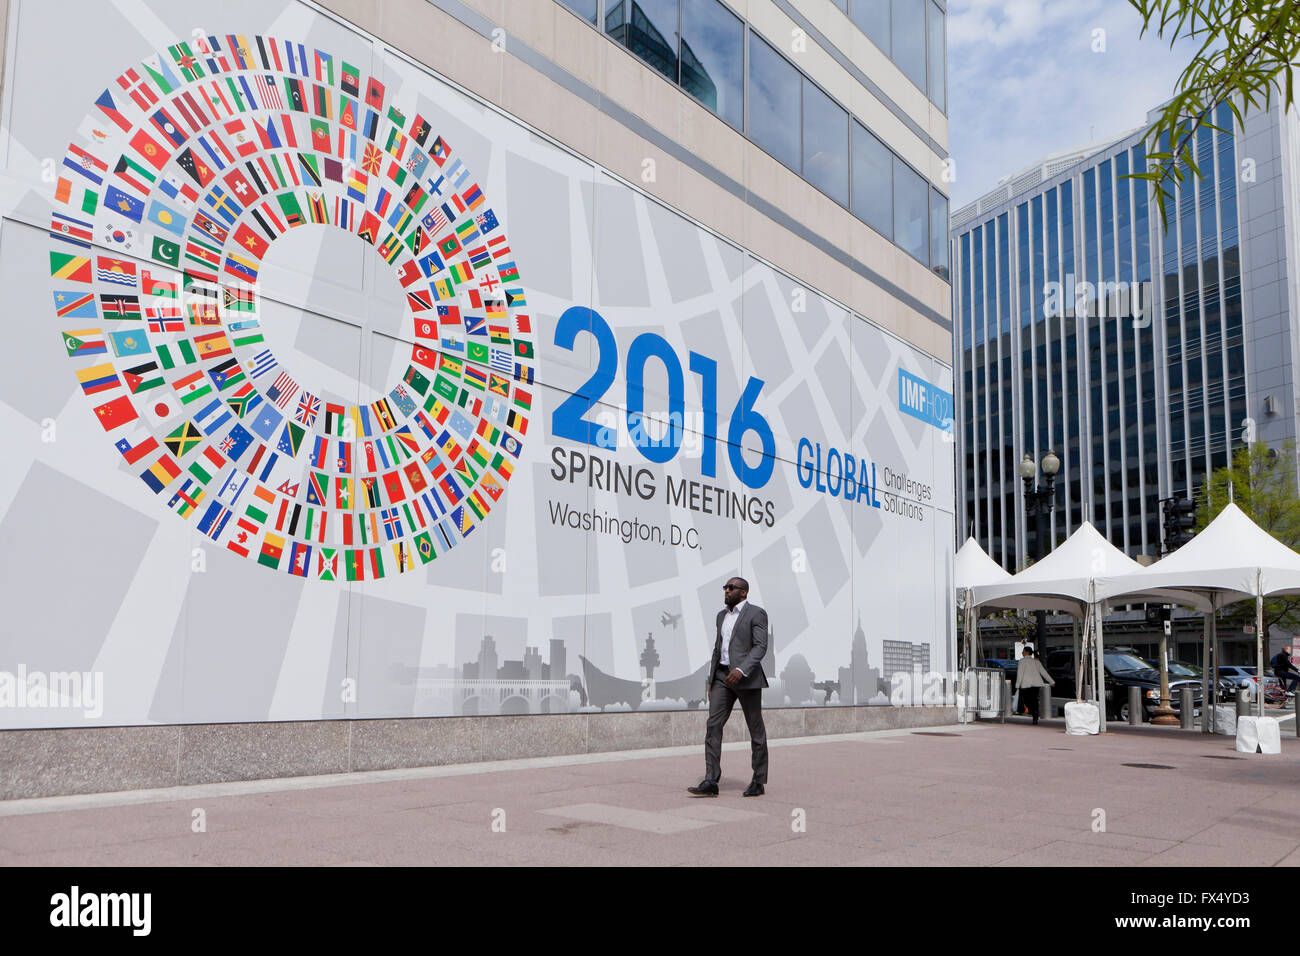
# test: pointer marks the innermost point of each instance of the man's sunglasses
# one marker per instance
(732, 587)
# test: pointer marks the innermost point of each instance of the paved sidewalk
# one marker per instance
(984, 794)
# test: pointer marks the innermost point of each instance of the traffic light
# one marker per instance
(1179, 520)
(1159, 613)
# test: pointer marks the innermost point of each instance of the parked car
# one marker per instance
(1236, 674)
(1002, 663)
(1123, 671)
(1183, 670)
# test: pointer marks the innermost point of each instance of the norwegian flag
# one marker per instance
(165, 318)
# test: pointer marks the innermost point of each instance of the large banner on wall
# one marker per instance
(329, 390)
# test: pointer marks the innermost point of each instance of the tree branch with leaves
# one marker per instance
(1246, 50)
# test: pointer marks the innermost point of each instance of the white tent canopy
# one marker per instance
(1060, 581)
(1066, 580)
(973, 568)
(1233, 559)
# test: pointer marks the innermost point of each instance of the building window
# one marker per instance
(873, 182)
(774, 87)
(649, 29)
(700, 46)
(939, 236)
(872, 18)
(907, 38)
(825, 144)
(583, 8)
(713, 58)
(911, 33)
(938, 58)
(911, 211)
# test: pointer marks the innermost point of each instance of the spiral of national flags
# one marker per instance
(187, 169)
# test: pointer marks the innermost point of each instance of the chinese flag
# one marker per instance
(116, 413)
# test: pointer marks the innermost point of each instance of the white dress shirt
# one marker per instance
(728, 626)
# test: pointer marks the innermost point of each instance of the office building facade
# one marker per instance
(1143, 353)
(335, 450)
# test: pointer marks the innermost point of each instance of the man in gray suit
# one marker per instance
(736, 671)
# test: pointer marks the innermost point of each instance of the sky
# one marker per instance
(1024, 81)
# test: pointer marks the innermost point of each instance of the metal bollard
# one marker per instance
(1006, 699)
(1186, 708)
(1243, 700)
(1135, 706)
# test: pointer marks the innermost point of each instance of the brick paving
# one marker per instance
(986, 794)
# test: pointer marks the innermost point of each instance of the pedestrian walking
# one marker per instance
(1032, 680)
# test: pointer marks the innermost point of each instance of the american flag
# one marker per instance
(308, 409)
(282, 390)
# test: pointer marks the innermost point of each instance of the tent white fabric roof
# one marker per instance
(1061, 580)
(973, 567)
(1225, 559)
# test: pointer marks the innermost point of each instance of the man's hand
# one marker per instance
(734, 678)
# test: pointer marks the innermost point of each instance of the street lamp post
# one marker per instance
(1039, 503)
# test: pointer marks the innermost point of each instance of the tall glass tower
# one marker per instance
(1143, 352)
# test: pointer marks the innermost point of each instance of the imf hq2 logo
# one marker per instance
(188, 168)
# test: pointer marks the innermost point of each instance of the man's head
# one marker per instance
(735, 591)
(1027, 652)
(1287, 650)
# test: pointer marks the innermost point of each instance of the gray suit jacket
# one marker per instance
(746, 649)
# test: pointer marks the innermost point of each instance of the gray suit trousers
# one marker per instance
(721, 701)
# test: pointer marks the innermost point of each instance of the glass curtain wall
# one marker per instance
(1077, 372)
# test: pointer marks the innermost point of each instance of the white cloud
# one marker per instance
(1025, 81)
(1003, 23)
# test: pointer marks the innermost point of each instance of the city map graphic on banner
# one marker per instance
(334, 391)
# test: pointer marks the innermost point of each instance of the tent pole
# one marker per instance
(1214, 678)
(1078, 657)
(1101, 658)
(965, 624)
(970, 636)
(1259, 641)
(1205, 660)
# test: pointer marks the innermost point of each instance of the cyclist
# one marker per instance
(1285, 671)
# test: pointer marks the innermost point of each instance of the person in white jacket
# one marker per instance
(1031, 675)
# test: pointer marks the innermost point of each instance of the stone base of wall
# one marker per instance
(52, 762)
